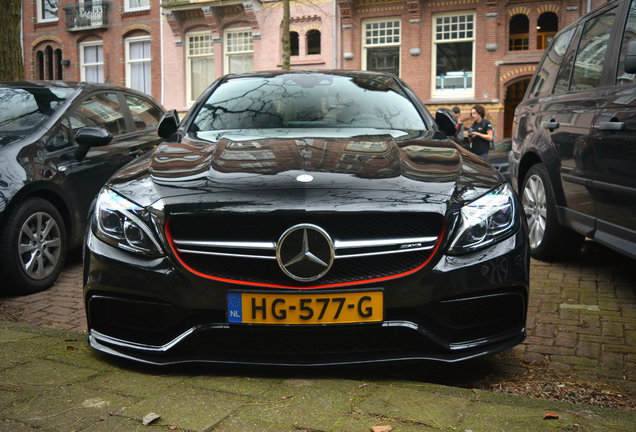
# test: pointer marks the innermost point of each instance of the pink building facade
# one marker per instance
(202, 42)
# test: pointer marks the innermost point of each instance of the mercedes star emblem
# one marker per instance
(305, 252)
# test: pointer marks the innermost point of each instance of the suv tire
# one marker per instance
(548, 239)
(32, 247)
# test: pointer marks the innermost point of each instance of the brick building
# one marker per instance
(115, 41)
(451, 52)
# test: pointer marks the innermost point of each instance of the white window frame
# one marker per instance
(127, 7)
(129, 62)
(470, 92)
(365, 45)
(84, 65)
(227, 54)
(191, 56)
(41, 10)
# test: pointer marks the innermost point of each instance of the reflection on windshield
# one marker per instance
(23, 110)
(308, 101)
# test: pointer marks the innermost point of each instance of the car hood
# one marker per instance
(283, 169)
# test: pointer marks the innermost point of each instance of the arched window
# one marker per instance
(39, 65)
(313, 42)
(547, 27)
(293, 41)
(58, 64)
(48, 53)
(518, 33)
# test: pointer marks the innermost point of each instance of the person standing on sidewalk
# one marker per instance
(459, 134)
(480, 132)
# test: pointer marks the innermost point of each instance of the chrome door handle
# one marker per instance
(610, 126)
(551, 125)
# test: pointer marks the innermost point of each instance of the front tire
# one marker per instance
(33, 247)
(548, 239)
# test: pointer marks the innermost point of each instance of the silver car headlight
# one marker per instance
(125, 225)
(485, 221)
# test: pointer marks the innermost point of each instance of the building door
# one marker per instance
(514, 95)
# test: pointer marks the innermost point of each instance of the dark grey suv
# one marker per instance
(573, 156)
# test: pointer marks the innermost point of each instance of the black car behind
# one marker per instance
(306, 219)
(573, 155)
(59, 143)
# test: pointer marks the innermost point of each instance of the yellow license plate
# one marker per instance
(329, 308)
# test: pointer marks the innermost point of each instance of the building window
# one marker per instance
(92, 62)
(59, 75)
(199, 64)
(47, 10)
(138, 64)
(134, 5)
(293, 43)
(547, 28)
(518, 31)
(239, 51)
(381, 45)
(453, 53)
(313, 42)
(48, 54)
(39, 65)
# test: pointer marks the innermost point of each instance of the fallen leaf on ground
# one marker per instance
(381, 428)
(550, 416)
(286, 397)
(149, 418)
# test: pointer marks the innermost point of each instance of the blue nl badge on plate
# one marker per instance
(234, 308)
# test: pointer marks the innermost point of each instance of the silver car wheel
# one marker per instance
(39, 245)
(535, 206)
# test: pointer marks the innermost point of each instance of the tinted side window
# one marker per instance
(100, 110)
(145, 115)
(550, 65)
(562, 83)
(629, 35)
(588, 66)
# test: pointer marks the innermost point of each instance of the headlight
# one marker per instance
(485, 221)
(124, 224)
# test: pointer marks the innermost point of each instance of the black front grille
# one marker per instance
(269, 227)
(340, 227)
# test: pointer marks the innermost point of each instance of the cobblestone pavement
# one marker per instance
(581, 317)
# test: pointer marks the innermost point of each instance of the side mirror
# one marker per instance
(169, 124)
(88, 137)
(446, 121)
(93, 137)
(630, 57)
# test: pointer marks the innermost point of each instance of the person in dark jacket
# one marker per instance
(480, 132)
(459, 134)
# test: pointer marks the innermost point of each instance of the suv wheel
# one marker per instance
(32, 246)
(548, 239)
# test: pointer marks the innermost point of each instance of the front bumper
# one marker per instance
(156, 312)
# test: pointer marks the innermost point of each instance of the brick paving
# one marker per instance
(581, 316)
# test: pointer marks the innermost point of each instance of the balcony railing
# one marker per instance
(87, 15)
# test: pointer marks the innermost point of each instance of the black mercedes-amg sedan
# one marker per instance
(306, 218)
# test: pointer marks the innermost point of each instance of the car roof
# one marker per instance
(340, 72)
(82, 86)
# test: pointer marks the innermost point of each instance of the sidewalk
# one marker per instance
(50, 380)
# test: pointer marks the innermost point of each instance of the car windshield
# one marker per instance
(22, 110)
(308, 101)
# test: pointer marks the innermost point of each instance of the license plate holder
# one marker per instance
(347, 307)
